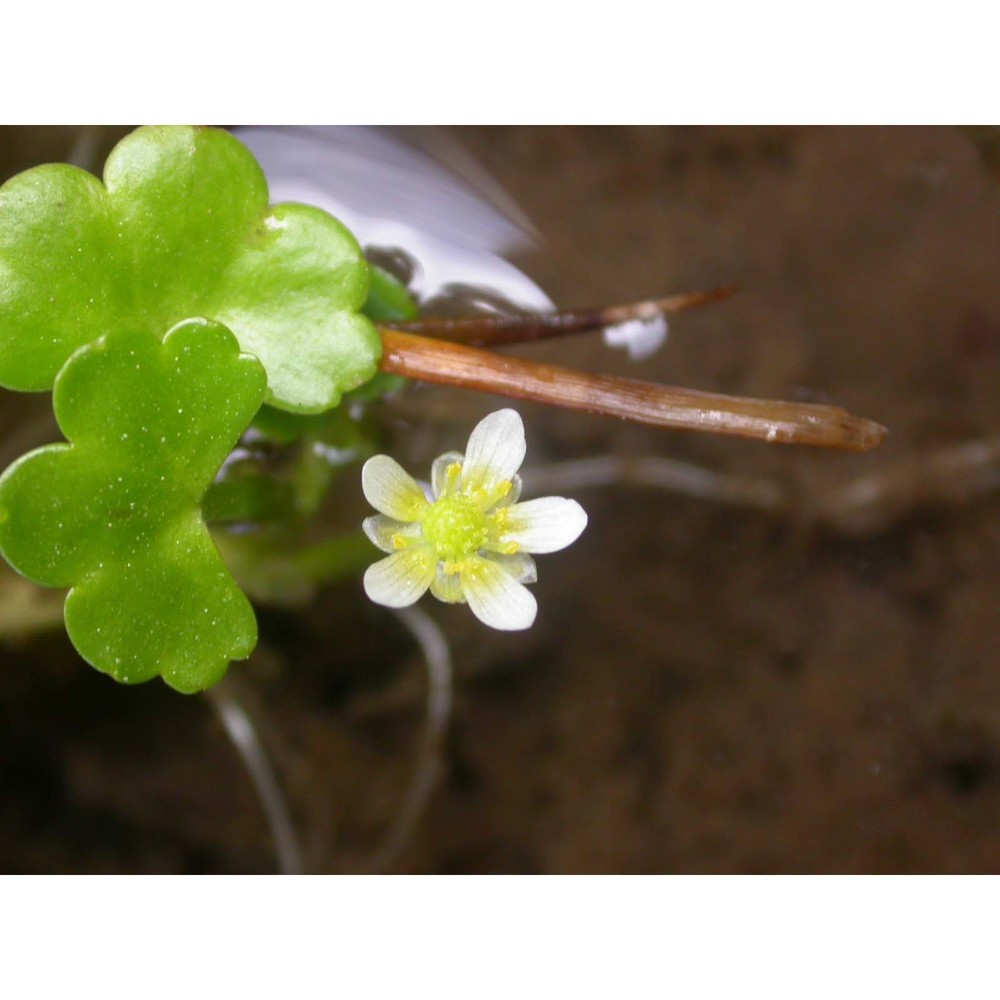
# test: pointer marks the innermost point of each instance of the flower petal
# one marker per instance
(447, 587)
(544, 525)
(520, 565)
(495, 452)
(495, 597)
(401, 579)
(511, 496)
(383, 531)
(391, 490)
(439, 471)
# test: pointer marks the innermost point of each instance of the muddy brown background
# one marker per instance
(710, 687)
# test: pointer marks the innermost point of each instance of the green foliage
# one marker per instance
(116, 513)
(133, 299)
(388, 298)
(284, 486)
(181, 228)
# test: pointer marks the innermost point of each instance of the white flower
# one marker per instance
(471, 542)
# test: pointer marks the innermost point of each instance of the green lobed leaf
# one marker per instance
(115, 514)
(388, 297)
(181, 228)
(388, 300)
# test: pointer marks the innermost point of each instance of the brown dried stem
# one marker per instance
(498, 330)
(431, 360)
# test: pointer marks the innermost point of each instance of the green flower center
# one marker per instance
(456, 526)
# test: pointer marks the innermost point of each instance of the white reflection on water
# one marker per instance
(391, 192)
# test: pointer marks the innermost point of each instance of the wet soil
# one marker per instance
(710, 687)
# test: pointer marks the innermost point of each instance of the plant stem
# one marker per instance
(440, 683)
(246, 741)
(443, 363)
(496, 330)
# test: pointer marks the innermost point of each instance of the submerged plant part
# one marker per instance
(471, 542)
(116, 513)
